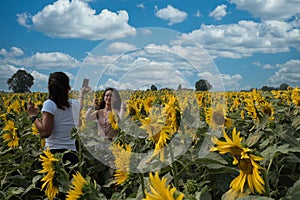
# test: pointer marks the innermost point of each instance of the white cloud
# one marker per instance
(148, 72)
(219, 12)
(146, 31)
(263, 66)
(40, 81)
(99, 60)
(267, 66)
(194, 54)
(231, 82)
(120, 47)
(247, 37)
(270, 9)
(222, 82)
(50, 60)
(162, 65)
(14, 52)
(171, 14)
(198, 14)
(141, 73)
(3, 52)
(75, 19)
(141, 5)
(24, 19)
(6, 72)
(288, 72)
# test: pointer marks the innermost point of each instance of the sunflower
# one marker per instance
(3, 117)
(133, 109)
(160, 140)
(82, 122)
(267, 109)
(113, 120)
(250, 108)
(296, 96)
(228, 122)
(233, 146)
(236, 103)
(242, 114)
(154, 122)
(160, 190)
(215, 116)
(148, 103)
(47, 163)
(43, 142)
(34, 129)
(78, 184)
(122, 162)
(158, 128)
(172, 111)
(15, 106)
(10, 126)
(200, 99)
(249, 171)
(12, 139)
(10, 136)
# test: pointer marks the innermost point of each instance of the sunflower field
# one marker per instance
(170, 145)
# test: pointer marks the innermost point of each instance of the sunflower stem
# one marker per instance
(143, 184)
(79, 154)
(79, 150)
(174, 166)
(266, 179)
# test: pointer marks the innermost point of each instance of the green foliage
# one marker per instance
(202, 85)
(197, 173)
(20, 82)
(153, 88)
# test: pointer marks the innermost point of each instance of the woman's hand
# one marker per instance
(96, 104)
(32, 110)
(84, 90)
(123, 105)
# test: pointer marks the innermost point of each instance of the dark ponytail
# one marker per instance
(59, 86)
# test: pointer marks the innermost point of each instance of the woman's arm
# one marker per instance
(90, 114)
(82, 92)
(45, 125)
(122, 110)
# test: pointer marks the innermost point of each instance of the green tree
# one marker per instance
(267, 88)
(202, 85)
(179, 87)
(20, 82)
(283, 86)
(153, 88)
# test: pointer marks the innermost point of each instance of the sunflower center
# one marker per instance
(246, 166)
(132, 111)
(267, 111)
(218, 117)
(236, 152)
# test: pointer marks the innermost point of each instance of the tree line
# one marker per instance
(21, 82)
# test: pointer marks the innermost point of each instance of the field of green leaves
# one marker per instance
(170, 145)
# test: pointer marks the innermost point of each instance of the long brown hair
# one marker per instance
(59, 86)
(118, 101)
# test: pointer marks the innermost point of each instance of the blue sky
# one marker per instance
(129, 44)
